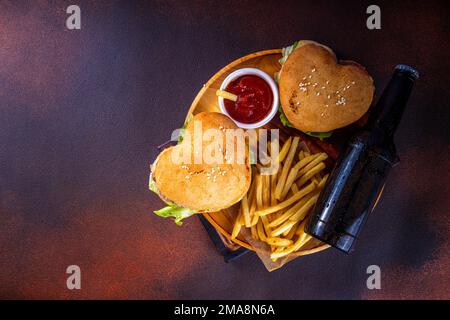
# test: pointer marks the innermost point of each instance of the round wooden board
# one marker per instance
(206, 100)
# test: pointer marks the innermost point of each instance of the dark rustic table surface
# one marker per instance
(82, 112)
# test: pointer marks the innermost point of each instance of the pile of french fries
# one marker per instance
(277, 204)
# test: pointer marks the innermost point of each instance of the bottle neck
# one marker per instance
(387, 113)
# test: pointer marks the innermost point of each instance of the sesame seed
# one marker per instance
(318, 93)
(341, 101)
(329, 97)
(353, 82)
(328, 81)
(310, 76)
(323, 88)
(313, 70)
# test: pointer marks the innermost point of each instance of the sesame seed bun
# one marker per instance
(202, 187)
(318, 93)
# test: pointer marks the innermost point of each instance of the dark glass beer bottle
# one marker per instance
(359, 175)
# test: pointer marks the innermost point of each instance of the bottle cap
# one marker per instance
(405, 68)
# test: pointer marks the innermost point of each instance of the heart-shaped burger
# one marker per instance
(202, 173)
(318, 93)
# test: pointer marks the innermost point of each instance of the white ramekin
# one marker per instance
(256, 72)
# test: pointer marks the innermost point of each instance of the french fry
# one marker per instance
(323, 181)
(279, 254)
(246, 211)
(294, 171)
(265, 223)
(282, 253)
(288, 202)
(295, 247)
(259, 192)
(308, 175)
(319, 157)
(266, 191)
(240, 217)
(291, 233)
(252, 208)
(301, 155)
(279, 242)
(237, 227)
(287, 166)
(303, 237)
(227, 95)
(288, 213)
(251, 191)
(302, 212)
(255, 219)
(294, 188)
(277, 250)
(301, 241)
(273, 185)
(296, 217)
(301, 228)
(290, 193)
(260, 230)
(236, 230)
(284, 150)
(285, 226)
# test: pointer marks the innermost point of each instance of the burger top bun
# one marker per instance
(203, 187)
(318, 93)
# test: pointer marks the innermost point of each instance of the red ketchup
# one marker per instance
(255, 99)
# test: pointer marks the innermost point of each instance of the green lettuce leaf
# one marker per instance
(183, 128)
(152, 185)
(172, 210)
(178, 213)
(287, 51)
(320, 135)
(284, 120)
